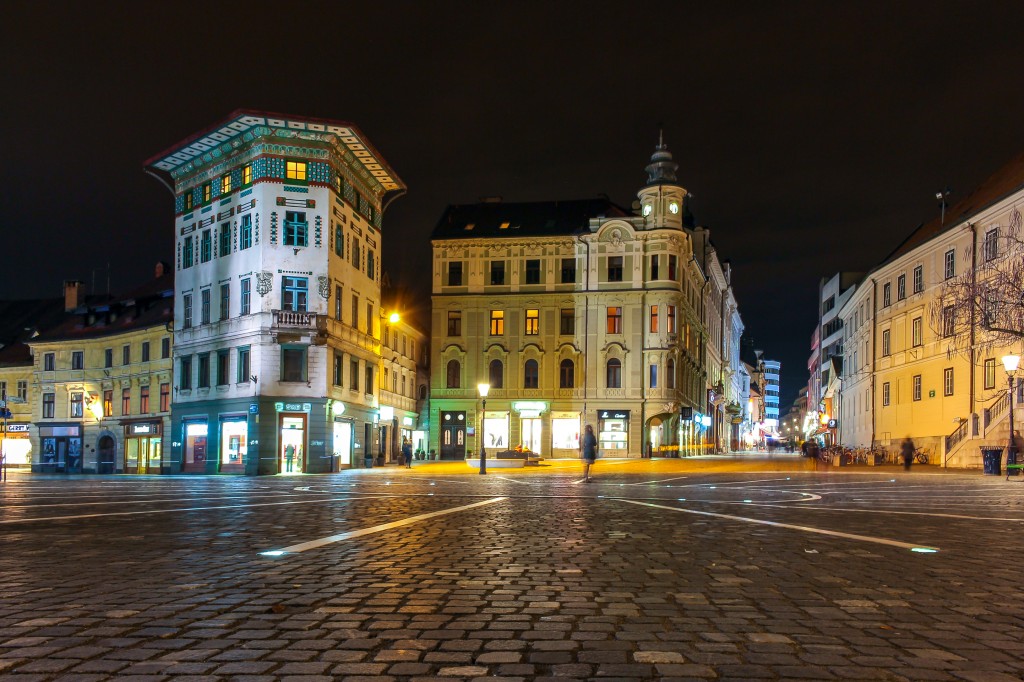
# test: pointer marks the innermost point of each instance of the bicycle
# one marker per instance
(921, 456)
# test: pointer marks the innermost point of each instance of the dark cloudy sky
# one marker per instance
(813, 135)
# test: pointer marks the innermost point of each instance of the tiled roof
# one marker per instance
(1002, 183)
(531, 219)
(19, 320)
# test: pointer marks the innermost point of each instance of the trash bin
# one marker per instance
(990, 458)
(368, 461)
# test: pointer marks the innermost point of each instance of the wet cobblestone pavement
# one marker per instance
(662, 569)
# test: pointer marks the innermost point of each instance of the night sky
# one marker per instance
(813, 136)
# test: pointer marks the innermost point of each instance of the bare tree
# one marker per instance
(983, 307)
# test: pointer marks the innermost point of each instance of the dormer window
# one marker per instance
(295, 170)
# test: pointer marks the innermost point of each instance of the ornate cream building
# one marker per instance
(574, 313)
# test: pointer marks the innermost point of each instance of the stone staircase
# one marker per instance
(989, 427)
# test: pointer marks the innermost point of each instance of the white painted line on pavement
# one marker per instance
(184, 509)
(806, 529)
(858, 510)
(313, 544)
(663, 480)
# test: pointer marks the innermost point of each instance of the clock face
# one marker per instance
(673, 207)
(647, 210)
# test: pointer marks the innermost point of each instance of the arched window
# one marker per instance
(670, 373)
(423, 392)
(454, 374)
(614, 373)
(566, 374)
(530, 374)
(496, 374)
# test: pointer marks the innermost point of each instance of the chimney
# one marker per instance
(73, 294)
(161, 268)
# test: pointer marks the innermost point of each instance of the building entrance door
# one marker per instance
(453, 435)
(106, 457)
(293, 441)
(531, 434)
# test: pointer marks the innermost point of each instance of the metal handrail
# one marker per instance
(955, 438)
(998, 407)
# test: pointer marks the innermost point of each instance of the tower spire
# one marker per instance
(661, 168)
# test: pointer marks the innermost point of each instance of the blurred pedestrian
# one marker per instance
(907, 451)
(407, 453)
(589, 447)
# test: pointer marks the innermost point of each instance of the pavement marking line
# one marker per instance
(313, 544)
(119, 502)
(185, 509)
(882, 511)
(663, 480)
(806, 529)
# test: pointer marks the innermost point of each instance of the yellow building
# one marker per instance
(404, 352)
(101, 383)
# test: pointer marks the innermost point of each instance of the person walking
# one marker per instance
(907, 451)
(589, 448)
(407, 453)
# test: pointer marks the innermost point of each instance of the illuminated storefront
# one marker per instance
(495, 430)
(17, 448)
(613, 432)
(61, 449)
(234, 440)
(531, 428)
(342, 443)
(143, 447)
(195, 431)
(565, 434)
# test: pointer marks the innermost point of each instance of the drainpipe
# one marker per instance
(586, 333)
(874, 349)
(974, 282)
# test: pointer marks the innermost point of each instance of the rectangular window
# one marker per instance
(901, 287)
(917, 386)
(886, 294)
(224, 236)
(947, 381)
(144, 400)
(223, 367)
(654, 267)
(204, 314)
(337, 301)
(165, 397)
(293, 364)
(917, 331)
(654, 376)
(568, 270)
(243, 365)
(885, 393)
(245, 298)
(185, 372)
(369, 380)
(532, 322)
(188, 200)
(204, 370)
(145, 351)
(165, 347)
(296, 229)
(654, 319)
(126, 354)
(497, 322)
(369, 318)
(126, 401)
(108, 402)
(48, 403)
(187, 254)
(355, 251)
(108, 357)
(918, 279)
(948, 321)
(353, 374)
(207, 192)
(49, 362)
(567, 322)
(23, 390)
(614, 268)
(77, 359)
(294, 291)
(455, 274)
(77, 405)
(225, 188)
(990, 373)
(454, 323)
(615, 320)
(370, 267)
(497, 272)
(295, 170)
(885, 343)
(339, 359)
(673, 273)
(355, 311)
(247, 174)
(186, 315)
(991, 244)
(225, 300)
(671, 319)
(245, 233)
(949, 267)
(533, 271)
(339, 241)
(206, 247)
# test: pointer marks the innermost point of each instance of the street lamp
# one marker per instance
(483, 389)
(1010, 363)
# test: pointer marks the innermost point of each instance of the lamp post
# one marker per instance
(483, 389)
(1010, 363)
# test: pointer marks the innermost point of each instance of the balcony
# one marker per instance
(295, 322)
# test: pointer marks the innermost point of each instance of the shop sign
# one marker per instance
(686, 413)
(613, 414)
(316, 443)
(832, 423)
(387, 412)
(141, 429)
(530, 406)
(292, 407)
(17, 428)
(254, 408)
(406, 421)
(705, 420)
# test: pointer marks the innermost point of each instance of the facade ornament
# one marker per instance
(264, 282)
(324, 287)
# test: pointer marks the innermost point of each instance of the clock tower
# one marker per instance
(661, 199)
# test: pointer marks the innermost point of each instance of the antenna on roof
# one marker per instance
(942, 196)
